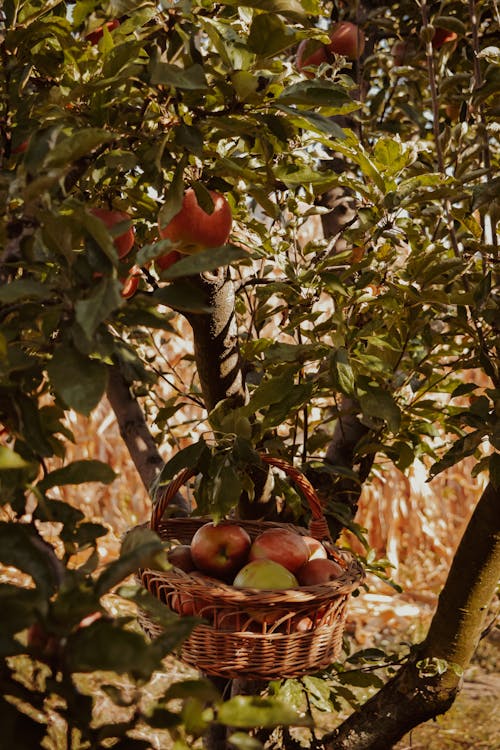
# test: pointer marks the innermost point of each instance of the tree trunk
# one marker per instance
(412, 697)
(216, 347)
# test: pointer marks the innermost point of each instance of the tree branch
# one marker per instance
(133, 428)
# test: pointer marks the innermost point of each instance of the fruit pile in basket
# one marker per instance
(275, 559)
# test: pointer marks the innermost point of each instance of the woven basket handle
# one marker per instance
(318, 526)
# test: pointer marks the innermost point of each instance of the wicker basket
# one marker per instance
(252, 633)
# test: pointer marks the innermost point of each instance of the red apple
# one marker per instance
(310, 54)
(220, 549)
(94, 36)
(131, 283)
(21, 148)
(316, 549)
(443, 36)
(181, 557)
(124, 242)
(319, 571)
(347, 39)
(195, 229)
(165, 261)
(281, 545)
(265, 574)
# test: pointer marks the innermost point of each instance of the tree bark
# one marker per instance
(412, 697)
(216, 347)
(133, 428)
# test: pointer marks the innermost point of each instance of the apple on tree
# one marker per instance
(347, 39)
(220, 549)
(131, 283)
(443, 36)
(94, 36)
(282, 546)
(310, 54)
(167, 260)
(194, 229)
(111, 217)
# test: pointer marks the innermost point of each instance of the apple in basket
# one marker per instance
(267, 575)
(318, 571)
(180, 556)
(315, 548)
(282, 546)
(220, 549)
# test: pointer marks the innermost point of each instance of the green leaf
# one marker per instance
(77, 145)
(360, 679)
(174, 197)
(300, 175)
(79, 472)
(299, 395)
(269, 392)
(11, 460)
(19, 289)
(91, 312)
(450, 22)
(57, 511)
(202, 689)
(314, 121)
(381, 404)
(269, 35)
(141, 548)
(191, 79)
(463, 447)
(218, 494)
(390, 155)
(319, 93)
(341, 373)
(247, 711)
(244, 741)
(319, 693)
(21, 547)
(183, 296)
(207, 260)
(104, 645)
(19, 607)
(79, 380)
(187, 458)
(288, 8)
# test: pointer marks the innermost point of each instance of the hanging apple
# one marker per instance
(110, 217)
(194, 229)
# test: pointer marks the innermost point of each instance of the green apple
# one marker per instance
(265, 574)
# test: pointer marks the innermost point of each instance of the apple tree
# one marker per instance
(352, 313)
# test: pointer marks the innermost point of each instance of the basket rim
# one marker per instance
(206, 586)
